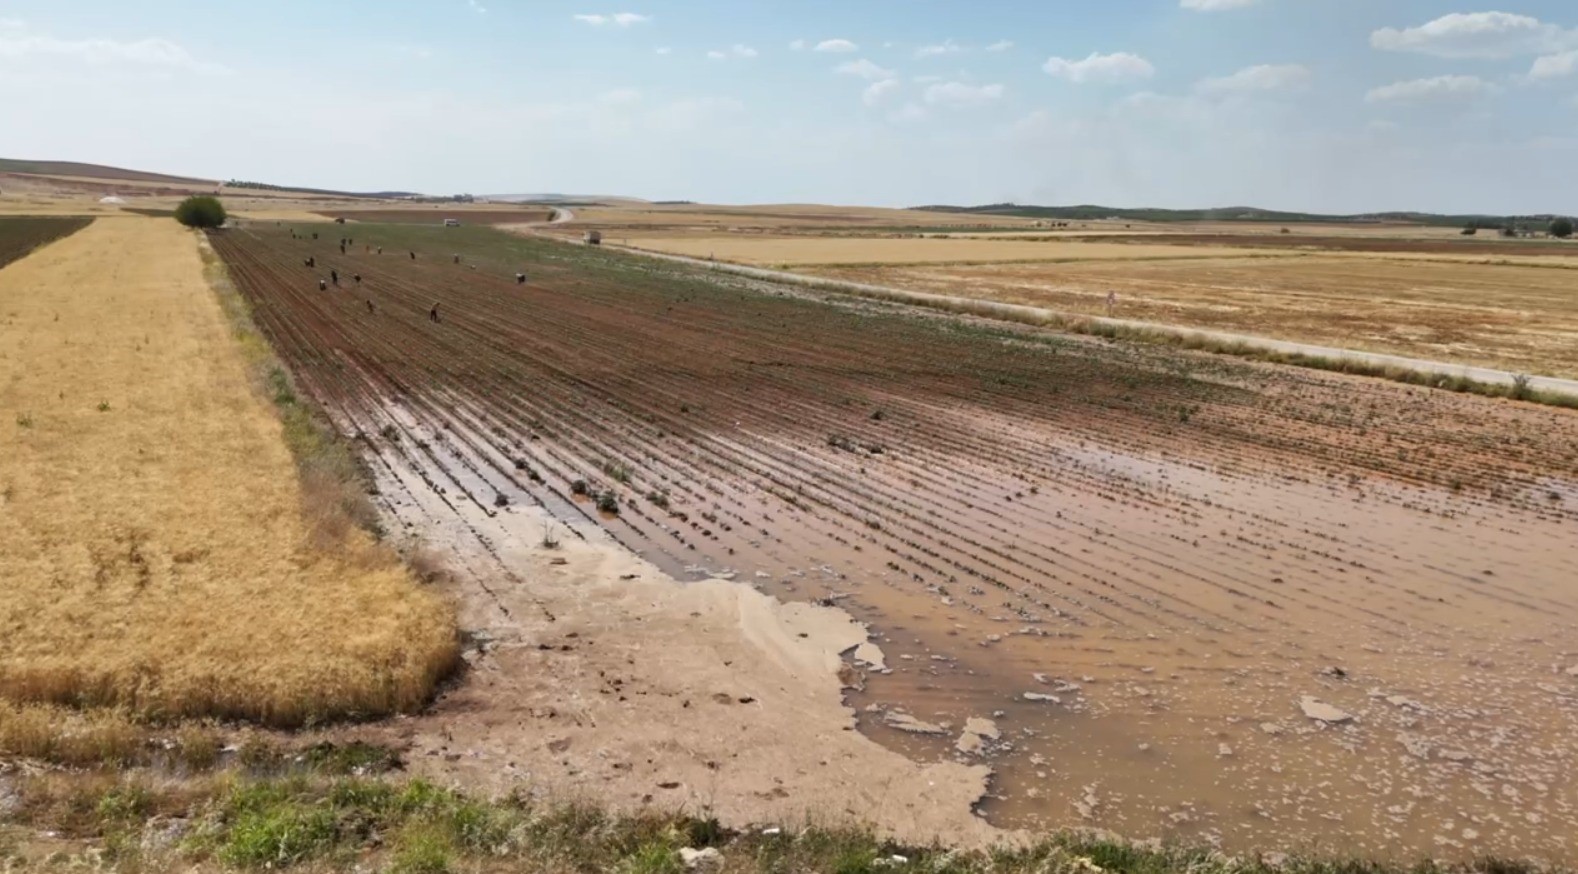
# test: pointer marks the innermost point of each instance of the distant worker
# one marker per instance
(312, 262)
(380, 250)
(413, 256)
(342, 247)
(520, 279)
(457, 258)
(432, 314)
(323, 285)
(370, 309)
(1112, 302)
(357, 278)
(335, 276)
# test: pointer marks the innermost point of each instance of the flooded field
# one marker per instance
(1163, 594)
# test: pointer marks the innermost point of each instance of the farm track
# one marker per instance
(1048, 498)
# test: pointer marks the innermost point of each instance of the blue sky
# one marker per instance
(1333, 105)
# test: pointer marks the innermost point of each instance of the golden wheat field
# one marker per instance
(158, 550)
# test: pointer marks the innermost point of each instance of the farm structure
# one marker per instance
(1156, 545)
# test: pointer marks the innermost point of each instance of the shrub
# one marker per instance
(201, 211)
(608, 502)
(1562, 228)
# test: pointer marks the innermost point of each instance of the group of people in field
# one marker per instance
(346, 244)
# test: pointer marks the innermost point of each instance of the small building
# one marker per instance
(594, 238)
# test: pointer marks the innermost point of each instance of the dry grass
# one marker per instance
(1520, 319)
(799, 251)
(792, 215)
(159, 551)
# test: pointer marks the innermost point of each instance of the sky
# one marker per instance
(1319, 105)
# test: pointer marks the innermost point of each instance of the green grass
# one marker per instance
(314, 821)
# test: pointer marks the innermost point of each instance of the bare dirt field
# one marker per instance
(157, 547)
(1163, 593)
(1516, 318)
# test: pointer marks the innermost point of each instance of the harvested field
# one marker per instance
(20, 236)
(157, 548)
(436, 215)
(805, 251)
(1163, 593)
(1523, 319)
(1486, 247)
(635, 215)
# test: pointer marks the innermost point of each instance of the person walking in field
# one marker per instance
(334, 275)
(413, 256)
(371, 310)
(356, 278)
(457, 257)
(322, 285)
(1112, 302)
(432, 314)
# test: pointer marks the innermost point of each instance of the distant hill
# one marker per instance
(1090, 212)
(322, 192)
(93, 171)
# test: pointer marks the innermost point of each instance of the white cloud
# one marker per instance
(960, 95)
(797, 46)
(946, 47)
(734, 51)
(1555, 66)
(620, 96)
(836, 45)
(908, 114)
(1436, 88)
(477, 7)
(617, 19)
(876, 92)
(927, 79)
(1264, 77)
(1001, 45)
(864, 69)
(1215, 5)
(1477, 35)
(1116, 67)
(663, 50)
(17, 43)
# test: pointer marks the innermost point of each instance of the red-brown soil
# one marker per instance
(1176, 549)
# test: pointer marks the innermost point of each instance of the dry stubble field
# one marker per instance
(158, 550)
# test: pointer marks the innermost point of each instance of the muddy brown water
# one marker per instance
(1146, 569)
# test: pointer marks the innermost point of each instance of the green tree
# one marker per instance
(1562, 227)
(201, 211)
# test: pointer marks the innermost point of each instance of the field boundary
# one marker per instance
(1552, 391)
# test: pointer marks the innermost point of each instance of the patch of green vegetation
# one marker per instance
(315, 822)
